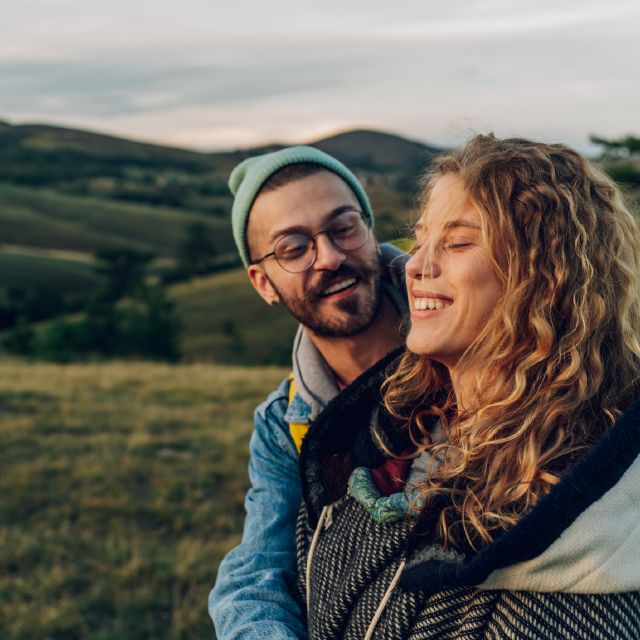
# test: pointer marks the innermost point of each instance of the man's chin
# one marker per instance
(343, 317)
(349, 319)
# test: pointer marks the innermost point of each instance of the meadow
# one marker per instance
(44, 218)
(121, 490)
(224, 320)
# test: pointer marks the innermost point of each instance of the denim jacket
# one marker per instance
(251, 598)
(252, 595)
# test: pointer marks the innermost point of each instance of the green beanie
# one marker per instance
(247, 179)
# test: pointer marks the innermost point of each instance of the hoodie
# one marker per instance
(569, 569)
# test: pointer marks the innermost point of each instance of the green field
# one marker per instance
(47, 219)
(41, 271)
(121, 490)
(224, 320)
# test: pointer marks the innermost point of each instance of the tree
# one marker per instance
(622, 147)
(63, 341)
(150, 326)
(621, 159)
(123, 271)
(197, 249)
(20, 340)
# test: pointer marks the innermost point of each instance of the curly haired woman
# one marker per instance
(486, 482)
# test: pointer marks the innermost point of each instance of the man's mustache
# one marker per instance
(343, 271)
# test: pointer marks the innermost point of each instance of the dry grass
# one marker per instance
(121, 490)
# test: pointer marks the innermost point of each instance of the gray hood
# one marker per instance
(583, 537)
(598, 553)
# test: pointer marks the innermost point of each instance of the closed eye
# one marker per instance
(457, 245)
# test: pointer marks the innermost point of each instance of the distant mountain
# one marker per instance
(53, 152)
(42, 140)
(375, 150)
(67, 193)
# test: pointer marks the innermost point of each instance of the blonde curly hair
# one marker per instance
(558, 361)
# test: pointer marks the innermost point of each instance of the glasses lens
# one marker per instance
(294, 252)
(349, 231)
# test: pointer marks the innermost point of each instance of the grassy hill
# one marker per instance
(68, 194)
(46, 218)
(121, 490)
(73, 278)
(379, 151)
(226, 321)
(65, 190)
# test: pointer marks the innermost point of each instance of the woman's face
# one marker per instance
(452, 300)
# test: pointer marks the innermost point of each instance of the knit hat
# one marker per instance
(247, 179)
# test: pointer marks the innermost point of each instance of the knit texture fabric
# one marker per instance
(355, 561)
(247, 179)
(361, 569)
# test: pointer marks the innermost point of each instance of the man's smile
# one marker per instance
(338, 287)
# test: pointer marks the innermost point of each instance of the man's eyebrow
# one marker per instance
(334, 213)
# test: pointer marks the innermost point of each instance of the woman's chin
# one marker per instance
(422, 346)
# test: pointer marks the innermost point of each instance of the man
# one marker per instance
(302, 224)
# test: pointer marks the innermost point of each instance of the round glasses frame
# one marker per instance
(312, 249)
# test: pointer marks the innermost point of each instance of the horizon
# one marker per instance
(213, 78)
(268, 143)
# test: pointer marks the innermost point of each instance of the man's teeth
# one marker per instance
(420, 304)
(339, 286)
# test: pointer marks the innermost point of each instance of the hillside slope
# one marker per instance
(378, 151)
(224, 320)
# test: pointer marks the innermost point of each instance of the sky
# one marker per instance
(208, 74)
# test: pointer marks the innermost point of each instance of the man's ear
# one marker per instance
(262, 285)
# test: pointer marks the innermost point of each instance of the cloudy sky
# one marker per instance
(209, 74)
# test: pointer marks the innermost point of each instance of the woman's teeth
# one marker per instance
(421, 304)
(339, 286)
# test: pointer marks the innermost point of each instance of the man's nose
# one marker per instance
(328, 256)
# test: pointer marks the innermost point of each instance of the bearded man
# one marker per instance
(303, 225)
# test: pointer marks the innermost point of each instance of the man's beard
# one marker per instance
(357, 313)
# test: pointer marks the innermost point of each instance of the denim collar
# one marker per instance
(298, 411)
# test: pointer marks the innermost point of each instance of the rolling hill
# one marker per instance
(67, 194)
(220, 316)
(66, 190)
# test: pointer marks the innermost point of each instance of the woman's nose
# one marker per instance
(423, 264)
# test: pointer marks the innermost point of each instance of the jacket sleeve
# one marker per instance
(252, 597)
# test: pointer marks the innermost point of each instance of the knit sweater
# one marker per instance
(569, 569)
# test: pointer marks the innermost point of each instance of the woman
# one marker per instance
(491, 489)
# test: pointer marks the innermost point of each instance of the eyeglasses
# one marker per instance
(296, 252)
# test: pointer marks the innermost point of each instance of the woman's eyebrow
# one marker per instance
(461, 222)
(452, 224)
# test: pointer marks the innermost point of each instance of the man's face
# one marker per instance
(339, 295)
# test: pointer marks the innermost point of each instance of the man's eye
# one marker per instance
(342, 230)
(293, 248)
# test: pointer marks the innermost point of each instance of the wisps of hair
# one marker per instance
(559, 359)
